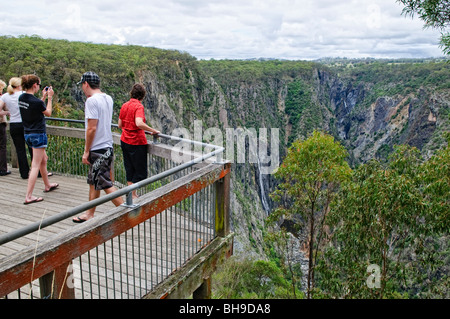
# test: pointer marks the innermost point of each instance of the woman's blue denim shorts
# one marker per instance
(36, 140)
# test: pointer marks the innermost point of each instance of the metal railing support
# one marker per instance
(129, 201)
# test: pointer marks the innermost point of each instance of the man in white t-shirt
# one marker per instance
(98, 150)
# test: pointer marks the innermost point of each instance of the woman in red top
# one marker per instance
(133, 140)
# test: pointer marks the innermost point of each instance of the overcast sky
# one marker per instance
(233, 29)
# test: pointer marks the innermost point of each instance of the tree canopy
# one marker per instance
(435, 13)
(377, 231)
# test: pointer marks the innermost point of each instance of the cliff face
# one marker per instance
(168, 110)
(371, 129)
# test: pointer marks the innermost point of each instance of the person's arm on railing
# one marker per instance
(143, 126)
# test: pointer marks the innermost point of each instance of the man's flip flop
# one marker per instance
(79, 220)
(37, 200)
(51, 188)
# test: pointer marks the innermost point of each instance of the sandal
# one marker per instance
(53, 187)
(79, 220)
(36, 200)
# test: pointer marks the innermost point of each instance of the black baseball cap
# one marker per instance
(89, 77)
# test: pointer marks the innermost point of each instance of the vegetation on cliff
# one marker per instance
(61, 63)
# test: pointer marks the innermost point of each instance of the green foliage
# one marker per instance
(61, 63)
(231, 73)
(311, 165)
(434, 179)
(65, 154)
(379, 213)
(392, 217)
(281, 250)
(248, 279)
(304, 116)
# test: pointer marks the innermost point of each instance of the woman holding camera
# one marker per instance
(33, 112)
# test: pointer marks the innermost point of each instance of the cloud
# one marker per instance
(292, 29)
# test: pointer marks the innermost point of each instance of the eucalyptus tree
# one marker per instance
(310, 177)
(390, 230)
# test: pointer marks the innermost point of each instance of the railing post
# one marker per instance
(223, 205)
(129, 201)
(204, 291)
(58, 284)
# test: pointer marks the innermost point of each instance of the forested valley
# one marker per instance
(359, 207)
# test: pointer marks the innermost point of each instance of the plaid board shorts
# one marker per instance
(100, 170)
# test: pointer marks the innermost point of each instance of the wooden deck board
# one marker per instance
(14, 214)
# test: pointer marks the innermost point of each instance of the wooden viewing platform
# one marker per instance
(72, 191)
(165, 244)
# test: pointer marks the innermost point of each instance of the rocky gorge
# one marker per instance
(369, 108)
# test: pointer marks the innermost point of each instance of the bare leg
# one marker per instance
(44, 172)
(38, 154)
(94, 194)
(117, 201)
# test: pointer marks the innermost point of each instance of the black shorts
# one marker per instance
(100, 169)
(135, 161)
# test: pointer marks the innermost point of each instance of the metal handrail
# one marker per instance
(104, 199)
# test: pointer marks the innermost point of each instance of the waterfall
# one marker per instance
(264, 201)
